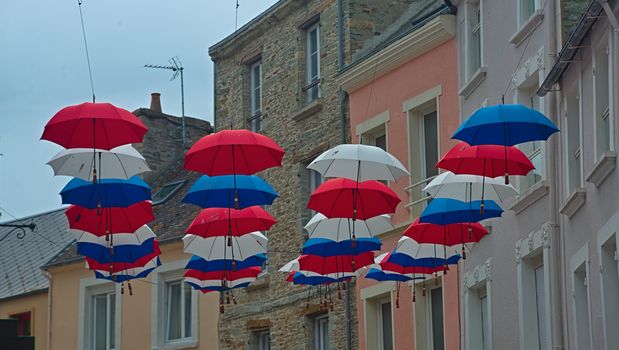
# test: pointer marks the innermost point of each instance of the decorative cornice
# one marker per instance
(535, 240)
(431, 35)
(480, 273)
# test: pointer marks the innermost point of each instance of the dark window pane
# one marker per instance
(436, 296)
(430, 136)
(387, 327)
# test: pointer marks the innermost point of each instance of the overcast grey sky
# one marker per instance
(43, 68)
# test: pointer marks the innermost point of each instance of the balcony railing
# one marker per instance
(418, 198)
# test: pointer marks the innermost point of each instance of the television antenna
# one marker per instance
(177, 69)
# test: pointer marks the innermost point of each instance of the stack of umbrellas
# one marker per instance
(468, 192)
(226, 239)
(352, 208)
(110, 204)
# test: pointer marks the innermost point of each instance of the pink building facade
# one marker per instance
(404, 98)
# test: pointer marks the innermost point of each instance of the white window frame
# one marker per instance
(319, 336)
(523, 18)
(255, 114)
(164, 273)
(372, 298)
(380, 317)
(470, 72)
(565, 131)
(527, 250)
(422, 312)
(577, 261)
(475, 281)
(609, 234)
(309, 77)
(605, 40)
(90, 287)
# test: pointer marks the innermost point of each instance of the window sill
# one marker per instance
(260, 283)
(307, 111)
(473, 83)
(527, 28)
(181, 344)
(530, 196)
(602, 168)
(574, 202)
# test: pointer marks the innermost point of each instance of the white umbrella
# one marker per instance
(132, 271)
(415, 250)
(218, 283)
(293, 266)
(358, 162)
(340, 229)
(217, 248)
(121, 162)
(469, 187)
(136, 238)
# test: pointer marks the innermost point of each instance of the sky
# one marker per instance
(43, 69)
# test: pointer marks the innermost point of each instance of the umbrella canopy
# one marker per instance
(106, 193)
(381, 276)
(334, 264)
(409, 252)
(228, 152)
(359, 163)
(505, 125)
(250, 272)
(110, 220)
(213, 222)
(382, 262)
(121, 162)
(325, 247)
(217, 248)
(118, 266)
(485, 160)
(138, 237)
(341, 229)
(300, 278)
(94, 125)
(345, 198)
(448, 235)
(445, 211)
(129, 274)
(219, 192)
(129, 253)
(468, 187)
(218, 285)
(198, 263)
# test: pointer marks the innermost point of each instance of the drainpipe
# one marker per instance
(556, 251)
(343, 127)
(49, 309)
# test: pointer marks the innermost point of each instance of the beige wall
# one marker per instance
(136, 309)
(37, 305)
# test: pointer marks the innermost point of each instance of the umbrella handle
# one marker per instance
(507, 178)
(463, 253)
(481, 207)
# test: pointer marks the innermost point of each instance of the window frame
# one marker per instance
(522, 18)
(471, 5)
(477, 284)
(167, 312)
(261, 336)
(312, 81)
(20, 317)
(89, 288)
(255, 114)
(379, 317)
(177, 185)
(605, 40)
(319, 336)
(609, 234)
(577, 90)
(580, 260)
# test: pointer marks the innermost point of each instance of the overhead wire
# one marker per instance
(92, 85)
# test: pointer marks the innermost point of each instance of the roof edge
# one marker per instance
(32, 216)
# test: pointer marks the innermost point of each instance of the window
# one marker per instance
(312, 39)
(533, 298)
(24, 322)
(428, 314)
(474, 37)
(429, 127)
(540, 304)
(261, 340)
(485, 320)
(166, 191)
(177, 311)
(436, 318)
(378, 317)
(526, 95)
(385, 334)
(103, 322)
(255, 84)
(610, 288)
(573, 148)
(601, 73)
(580, 302)
(527, 8)
(321, 333)
(477, 327)
(99, 310)
(375, 137)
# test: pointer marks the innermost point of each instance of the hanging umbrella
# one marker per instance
(382, 276)
(485, 160)
(227, 275)
(213, 222)
(359, 163)
(129, 274)
(305, 279)
(345, 198)
(325, 247)
(219, 192)
(217, 285)
(340, 229)
(334, 264)
(469, 187)
(444, 211)
(505, 125)
(110, 220)
(449, 235)
(198, 263)
(138, 237)
(409, 252)
(216, 248)
(119, 253)
(115, 266)
(233, 152)
(121, 162)
(105, 193)
(94, 125)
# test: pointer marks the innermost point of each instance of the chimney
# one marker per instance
(155, 102)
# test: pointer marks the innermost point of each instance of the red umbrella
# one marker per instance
(250, 272)
(486, 160)
(94, 125)
(233, 152)
(230, 222)
(110, 220)
(335, 264)
(447, 235)
(117, 266)
(396, 268)
(345, 198)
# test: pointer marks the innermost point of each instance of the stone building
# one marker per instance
(276, 75)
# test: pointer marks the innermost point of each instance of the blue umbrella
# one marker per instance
(506, 125)
(106, 193)
(124, 276)
(381, 276)
(219, 192)
(301, 279)
(406, 260)
(445, 211)
(197, 263)
(326, 247)
(117, 254)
